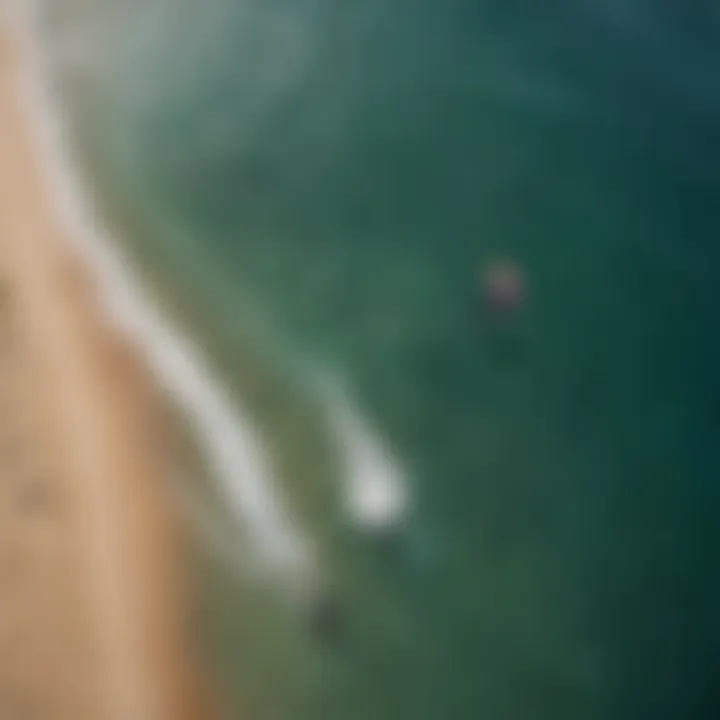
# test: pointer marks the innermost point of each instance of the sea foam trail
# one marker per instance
(375, 487)
(232, 446)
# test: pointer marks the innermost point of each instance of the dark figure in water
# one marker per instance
(326, 617)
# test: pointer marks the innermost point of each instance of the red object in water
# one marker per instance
(503, 286)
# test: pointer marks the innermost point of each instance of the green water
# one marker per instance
(322, 179)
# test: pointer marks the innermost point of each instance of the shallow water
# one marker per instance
(313, 187)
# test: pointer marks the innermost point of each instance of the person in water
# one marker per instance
(503, 287)
(326, 617)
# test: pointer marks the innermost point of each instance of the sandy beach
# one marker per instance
(94, 594)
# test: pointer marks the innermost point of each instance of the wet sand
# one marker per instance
(94, 589)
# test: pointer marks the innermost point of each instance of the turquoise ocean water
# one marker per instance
(311, 187)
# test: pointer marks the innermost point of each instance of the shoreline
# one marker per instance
(231, 445)
(110, 635)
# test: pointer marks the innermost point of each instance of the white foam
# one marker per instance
(232, 444)
(375, 487)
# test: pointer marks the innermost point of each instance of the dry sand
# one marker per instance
(93, 587)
